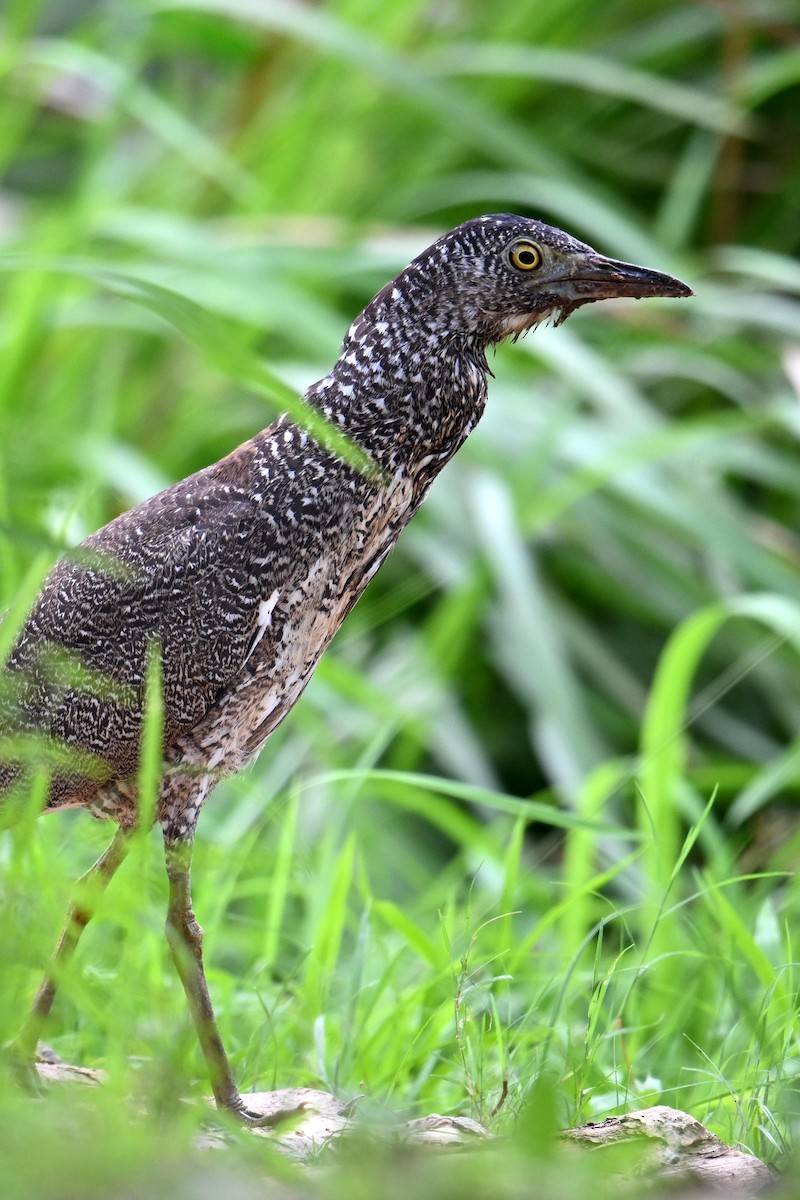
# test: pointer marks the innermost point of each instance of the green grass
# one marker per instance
(534, 822)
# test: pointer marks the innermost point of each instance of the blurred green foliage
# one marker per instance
(597, 610)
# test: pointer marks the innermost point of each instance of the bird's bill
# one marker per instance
(598, 278)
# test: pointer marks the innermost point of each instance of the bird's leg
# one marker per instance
(185, 939)
(90, 885)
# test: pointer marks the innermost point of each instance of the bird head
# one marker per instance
(498, 276)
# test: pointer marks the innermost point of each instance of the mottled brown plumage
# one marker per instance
(240, 575)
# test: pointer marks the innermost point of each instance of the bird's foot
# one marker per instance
(272, 1120)
(46, 1054)
(23, 1070)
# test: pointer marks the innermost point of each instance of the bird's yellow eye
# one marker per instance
(525, 256)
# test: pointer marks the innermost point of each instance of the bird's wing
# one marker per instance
(175, 574)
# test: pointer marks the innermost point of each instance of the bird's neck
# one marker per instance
(405, 389)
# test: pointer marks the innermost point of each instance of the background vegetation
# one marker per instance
(534, 822)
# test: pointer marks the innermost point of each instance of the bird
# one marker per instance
(234, 580)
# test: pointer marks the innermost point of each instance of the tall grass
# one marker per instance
(533, 821)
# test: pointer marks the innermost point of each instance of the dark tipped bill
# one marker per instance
(600, 278)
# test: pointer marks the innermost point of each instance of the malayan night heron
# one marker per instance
(241, 574)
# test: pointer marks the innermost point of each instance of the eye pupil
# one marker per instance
(526, 257)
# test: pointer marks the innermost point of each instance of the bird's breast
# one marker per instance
(294, 625)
